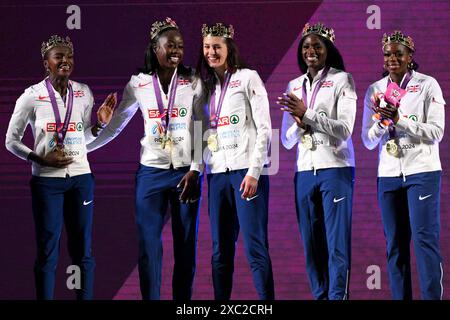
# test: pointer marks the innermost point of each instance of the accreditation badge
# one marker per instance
(307, 141)
(392, 148)
(213, 142)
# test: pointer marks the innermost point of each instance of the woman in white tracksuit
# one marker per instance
(169, 98)
(409, 168)
(58, 111)
(238, 142)
(319, 113)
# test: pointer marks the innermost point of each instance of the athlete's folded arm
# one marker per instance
(433, 127)
(290, 131)
(342, 127)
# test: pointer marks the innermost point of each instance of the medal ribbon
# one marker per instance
(212, 104)
(403, 86)
(61, 132)
(316, 89)
(165, 118)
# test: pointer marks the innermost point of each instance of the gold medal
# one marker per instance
(392, 148)
(60, 150)
(169, 145)
(166, 142)
(307, 141)
(213, 143)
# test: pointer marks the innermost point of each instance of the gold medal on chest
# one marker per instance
(59, 148)
(392, 148)
(213, 143)
(307, 141)
(166, 142)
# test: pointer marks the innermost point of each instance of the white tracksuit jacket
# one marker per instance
(331, 119)
(35, 109)
(419, 130)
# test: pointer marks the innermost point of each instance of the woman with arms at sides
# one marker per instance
(238, 142)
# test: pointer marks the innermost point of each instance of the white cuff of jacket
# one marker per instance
(197, 167)
(402, 123)
(309, 117)
(88, 136)
(254, 172)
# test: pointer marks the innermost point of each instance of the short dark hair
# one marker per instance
(334, 58)
(234, 61)
(151, 63)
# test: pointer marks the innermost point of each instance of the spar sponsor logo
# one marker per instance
(234, 119)
(73, 126)
(176, 112)
(227, 120)
(183, 112)
(223, 121)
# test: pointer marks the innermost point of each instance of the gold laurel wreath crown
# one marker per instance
(398, 37)
(218, 30)
(55, 41)
(160, 26)
(319, 29)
